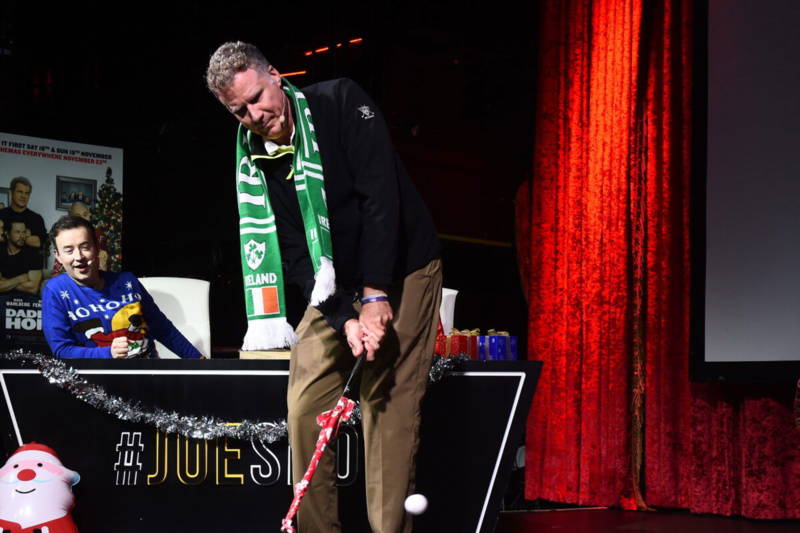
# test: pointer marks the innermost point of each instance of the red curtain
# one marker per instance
(603, 240)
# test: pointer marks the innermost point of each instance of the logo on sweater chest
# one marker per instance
(366, 112)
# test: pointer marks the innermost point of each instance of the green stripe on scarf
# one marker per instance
(261, 256)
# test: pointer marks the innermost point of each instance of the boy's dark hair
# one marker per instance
(69, 222)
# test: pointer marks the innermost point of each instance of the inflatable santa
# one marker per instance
(36, 492)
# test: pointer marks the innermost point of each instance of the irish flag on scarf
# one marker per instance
(261, 256)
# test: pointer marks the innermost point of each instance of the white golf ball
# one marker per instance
(416, 504)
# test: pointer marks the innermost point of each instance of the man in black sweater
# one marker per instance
(20, 265)
(35, 233)
(387, 268)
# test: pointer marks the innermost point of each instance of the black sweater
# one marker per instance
(380, 228)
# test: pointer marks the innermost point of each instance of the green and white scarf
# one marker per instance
(261, 256)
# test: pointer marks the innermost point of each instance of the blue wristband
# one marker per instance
(378, 298)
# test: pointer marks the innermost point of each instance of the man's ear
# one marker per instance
(274, 75)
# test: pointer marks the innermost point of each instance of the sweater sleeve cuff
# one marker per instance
(338, 309)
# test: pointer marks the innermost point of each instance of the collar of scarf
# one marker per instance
(261, 256)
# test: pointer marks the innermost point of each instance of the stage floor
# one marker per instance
(602, 520)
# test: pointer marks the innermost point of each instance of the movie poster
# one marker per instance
(40, 181)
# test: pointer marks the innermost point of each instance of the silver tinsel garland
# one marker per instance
(58, 373)
(443, 365)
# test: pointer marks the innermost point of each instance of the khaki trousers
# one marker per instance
(392, 388)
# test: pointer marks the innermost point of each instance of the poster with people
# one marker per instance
(40, 181)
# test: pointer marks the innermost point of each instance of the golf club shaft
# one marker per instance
(353, 373)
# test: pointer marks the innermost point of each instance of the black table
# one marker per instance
(134, 478)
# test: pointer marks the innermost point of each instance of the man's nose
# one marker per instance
(255, 113)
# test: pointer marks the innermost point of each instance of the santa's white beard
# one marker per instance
(50, 500)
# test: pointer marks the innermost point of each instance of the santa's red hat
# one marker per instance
(35, 450)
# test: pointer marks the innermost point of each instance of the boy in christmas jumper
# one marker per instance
(88, 313)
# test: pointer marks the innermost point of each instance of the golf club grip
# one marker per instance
(353, 373)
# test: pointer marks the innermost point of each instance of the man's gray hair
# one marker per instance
(230, 58)
(19, 179)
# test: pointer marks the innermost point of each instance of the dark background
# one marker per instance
(456, 81)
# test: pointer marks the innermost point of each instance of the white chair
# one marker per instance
(185, 302)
